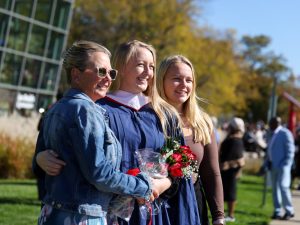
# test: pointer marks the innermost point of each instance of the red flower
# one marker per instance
(133, 172)
(177, 157)
(175, 170)
(191, 156)
(185, 148)
(186, 164)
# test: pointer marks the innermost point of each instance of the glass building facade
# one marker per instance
(33, 34)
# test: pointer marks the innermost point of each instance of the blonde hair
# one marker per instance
(199, 120)
(164, 110)
(77, 56)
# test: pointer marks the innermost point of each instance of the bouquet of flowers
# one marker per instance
(180, 158)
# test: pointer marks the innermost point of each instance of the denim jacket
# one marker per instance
(76, 128)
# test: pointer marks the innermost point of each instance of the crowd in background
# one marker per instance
(274, 145)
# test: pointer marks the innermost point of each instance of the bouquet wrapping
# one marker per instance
(153, 164)
(122, 206)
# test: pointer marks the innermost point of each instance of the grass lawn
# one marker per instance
(19, 204)
(249, 209)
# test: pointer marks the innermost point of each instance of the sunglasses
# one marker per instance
(102, 72)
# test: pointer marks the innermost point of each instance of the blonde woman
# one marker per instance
(140, 118)
(176, 84)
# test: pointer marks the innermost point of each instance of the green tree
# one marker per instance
(164, 24)
(264, 73)
(218, 71)
(170, 27)
(233, 80)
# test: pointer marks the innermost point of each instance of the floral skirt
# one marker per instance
(50, 215)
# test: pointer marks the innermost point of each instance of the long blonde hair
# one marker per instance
(200, 121)
(164, 110)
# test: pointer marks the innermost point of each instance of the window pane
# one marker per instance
(43, 10)
(3, 28)
(44, 101)
(18, 34)
(31, 73)
(5, 4)
(23, 7)
(37, 40)
(61, 14)
(11, 69)
(56, 44)
(50, 76)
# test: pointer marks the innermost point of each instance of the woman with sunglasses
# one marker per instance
(76, 128)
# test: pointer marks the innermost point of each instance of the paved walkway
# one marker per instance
(296, 219)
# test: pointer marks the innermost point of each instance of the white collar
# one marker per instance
(135, 101)
(277, 129)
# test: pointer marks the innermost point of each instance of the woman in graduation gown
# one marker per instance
(141, 119)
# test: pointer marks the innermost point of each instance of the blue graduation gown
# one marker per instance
(136, 129)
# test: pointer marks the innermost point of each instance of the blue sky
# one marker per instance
(278, 19)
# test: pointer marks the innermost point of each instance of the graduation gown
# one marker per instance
(137, 129)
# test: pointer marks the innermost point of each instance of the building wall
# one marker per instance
(33, 34)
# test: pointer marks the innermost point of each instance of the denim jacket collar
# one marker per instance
(76, 93)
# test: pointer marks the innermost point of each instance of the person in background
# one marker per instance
(280, 155)
(231, 163)
(75, 127)
(296, 166)
(217, 132)
(176, 84)
(260, 135)
(249, 138)
(141, 119)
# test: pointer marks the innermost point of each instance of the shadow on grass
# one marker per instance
(258, 223)
(253, 215)
(251, 182)
(23, 183)
(19, 201)
(254, 189)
